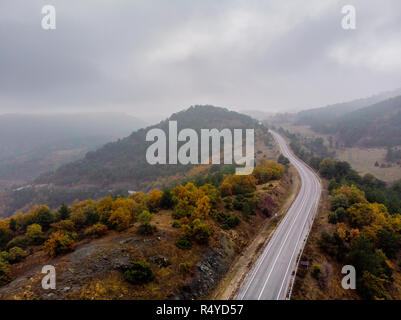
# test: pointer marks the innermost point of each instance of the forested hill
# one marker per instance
(374, 126)
(124, 161)
(316, 117)
(120, 166)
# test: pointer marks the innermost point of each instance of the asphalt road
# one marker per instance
(272, 275)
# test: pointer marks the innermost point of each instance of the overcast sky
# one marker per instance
(153, 57)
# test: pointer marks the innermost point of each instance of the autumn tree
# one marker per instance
(327, 168)
(34, 233)
(58, 243)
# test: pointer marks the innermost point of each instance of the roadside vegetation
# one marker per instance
(365, 232)
(199, 209)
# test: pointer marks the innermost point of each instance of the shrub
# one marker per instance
(176, 224)
(180, 212)
(145, 217)
(64, 225)
(120, 219)
(339, 201)
(248, 209)
(316, 271)
(166, 202)
(96, 231)
(78, 217)
(185, 267)
(231, 222)
(184, 242)
(63, 213)
(19, 241)
(34, 233)
(5, 274)
(16, 254)
(333, 219)
(238, 203)
(139, 273)
(333, 245)
(228, 221)
(58, 243)
(201, 233)
(146, 229)
(43, 216)
(341, 214)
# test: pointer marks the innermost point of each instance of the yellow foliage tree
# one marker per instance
(202, 208)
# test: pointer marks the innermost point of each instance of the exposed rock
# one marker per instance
(209, 270)
(160, 260)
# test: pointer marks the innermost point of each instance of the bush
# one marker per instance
(63, 225)
(166, 202)
(146, 229)
(44, 217)
(176, 224)
(185, 267)
(5, 274)
(238, 203)
(227, 221)
(333, 219)
(34, 233)
(201, 233)
(19, 241)
(339, 201)
(248, 209)
(145, 217)
(231, 222)
(63, 213)
(139, 273)
(78, 217)
(333, 245)
(96, 231)
(58, 243)
(228, 204)
(180, 212)
(16, 254)
(341, 214)
(120, 219)
(316, 271)
(184, 243)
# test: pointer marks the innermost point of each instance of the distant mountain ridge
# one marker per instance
(314, 117)
(375, 126)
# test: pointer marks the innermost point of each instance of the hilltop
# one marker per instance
(121, 166)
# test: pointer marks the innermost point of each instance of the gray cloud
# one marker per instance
(149, 57)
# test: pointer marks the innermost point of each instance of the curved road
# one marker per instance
(272, 275)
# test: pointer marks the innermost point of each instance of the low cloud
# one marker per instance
(157, 57)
